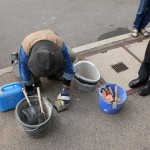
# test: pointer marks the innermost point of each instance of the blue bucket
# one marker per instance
(107, 107)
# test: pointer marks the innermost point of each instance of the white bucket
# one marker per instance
(86, 75)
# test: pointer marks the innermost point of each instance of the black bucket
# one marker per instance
(37, 130)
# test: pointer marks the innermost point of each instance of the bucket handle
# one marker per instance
(26, 130)
(84, 61)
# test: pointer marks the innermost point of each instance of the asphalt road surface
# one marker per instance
(78, 22)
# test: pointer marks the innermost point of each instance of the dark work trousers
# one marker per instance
(144, 71)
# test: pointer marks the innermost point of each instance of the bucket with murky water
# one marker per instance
(34, 130)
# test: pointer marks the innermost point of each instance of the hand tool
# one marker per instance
(30, 113)
(107, 95)
(114, 104)
(41, 115)
(59, 105)
(110, 90)
(106, 90)
(109, 98)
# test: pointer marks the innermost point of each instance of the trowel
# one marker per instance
(30, 113)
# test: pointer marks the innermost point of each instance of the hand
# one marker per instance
(64, 96)
(63, 100)
(30, 90)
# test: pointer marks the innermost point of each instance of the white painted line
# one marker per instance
(5, 70)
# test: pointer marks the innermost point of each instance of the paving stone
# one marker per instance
(138, 48)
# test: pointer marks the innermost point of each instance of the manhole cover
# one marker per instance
(119, 67)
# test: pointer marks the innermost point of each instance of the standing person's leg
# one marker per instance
(143, 76)
(140, 13)
(146, 90)
(148, 83)
(139, 17)
(144, 70)
(146, 20)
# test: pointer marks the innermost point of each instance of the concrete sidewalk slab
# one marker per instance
(138, 48)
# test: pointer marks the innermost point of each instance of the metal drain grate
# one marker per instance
(119, 67)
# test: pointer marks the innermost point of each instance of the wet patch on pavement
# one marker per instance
(117, 32)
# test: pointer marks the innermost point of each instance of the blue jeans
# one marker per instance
(143, 15)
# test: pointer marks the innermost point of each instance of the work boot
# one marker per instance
(14, 57)
(136, 82)
(145, 91)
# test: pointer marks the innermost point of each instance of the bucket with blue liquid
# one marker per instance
(106, 106)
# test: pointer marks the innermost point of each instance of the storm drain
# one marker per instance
(119, 67)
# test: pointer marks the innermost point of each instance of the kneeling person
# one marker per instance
(44, 54)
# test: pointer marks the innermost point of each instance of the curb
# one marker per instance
(5, 70)
(107, 43)
(99, 45)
